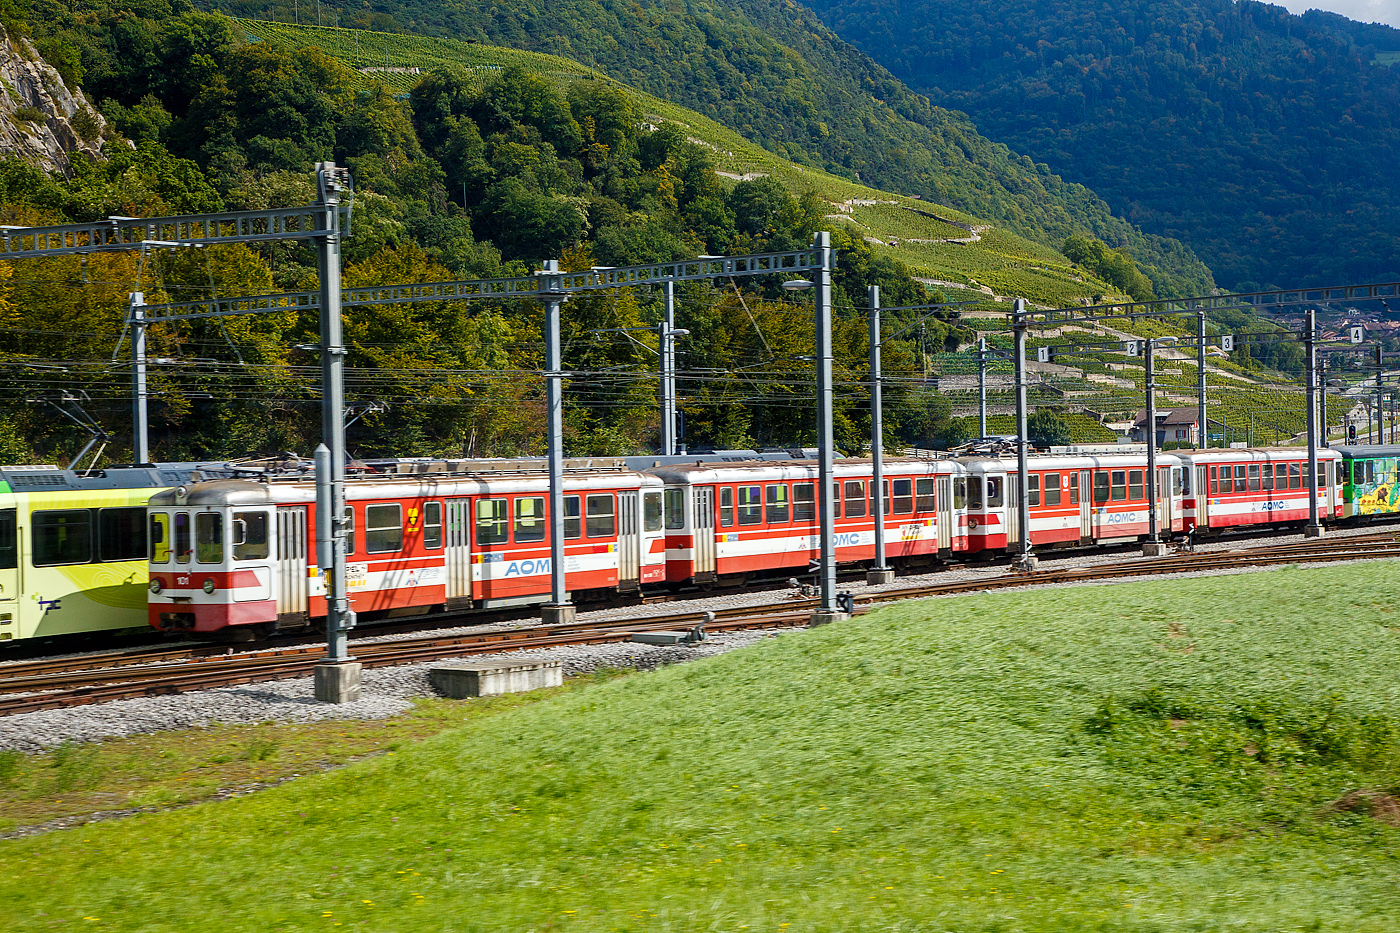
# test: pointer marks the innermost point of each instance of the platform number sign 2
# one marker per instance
(1227, 343)
(1132, 347)
(1358, 334)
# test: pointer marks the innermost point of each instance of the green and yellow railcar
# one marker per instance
(1371, 486)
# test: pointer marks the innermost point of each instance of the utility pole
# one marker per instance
(1153, 546)
(981, 387)
(1201, 379)
(1326, 439)
(337, 678)
(140, 424)
(558, 610)
(1380, 399)
(668, 372)
(826, 441)
(1027, 560)
(880, 573)
(1314, 528)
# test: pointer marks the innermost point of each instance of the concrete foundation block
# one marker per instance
(827, 616)
(466, 679)
(879, 577)
(1154, 549)
(338, 683)
(660, 638)
(1314, 531)
(558, 613)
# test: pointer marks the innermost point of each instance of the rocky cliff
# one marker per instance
(41, 120)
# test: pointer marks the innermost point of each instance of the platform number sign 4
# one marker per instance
(1358, 334)
(1227, 343)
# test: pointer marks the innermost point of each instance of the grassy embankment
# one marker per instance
(1180, 755)
(916, 232)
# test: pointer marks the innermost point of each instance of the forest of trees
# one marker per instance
(453, 182)
(1264, 140)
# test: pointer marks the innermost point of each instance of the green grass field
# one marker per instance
(1183, 755)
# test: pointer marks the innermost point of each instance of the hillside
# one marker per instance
(774, 73)
(1192, 754)
(1264, 140)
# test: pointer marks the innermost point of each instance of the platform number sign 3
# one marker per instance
(1227, 343)
(1358, 334)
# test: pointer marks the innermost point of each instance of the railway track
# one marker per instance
(38, 685)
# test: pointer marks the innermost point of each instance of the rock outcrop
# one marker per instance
(41, 120)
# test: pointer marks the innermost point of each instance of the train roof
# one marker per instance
(788, 469)
(1248, 453)
(50, 478)
(1369, 451)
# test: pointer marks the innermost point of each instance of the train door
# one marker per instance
(1202, 492)
(629, 542)
(1013, 508)
(1164, 498)
(9, 574)
(292, 581)
(703, 533)
(1086, 508)
(945, 513)
(459, 553)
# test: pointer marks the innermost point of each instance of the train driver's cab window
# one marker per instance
(652, 519)
(159, 536)
(960, 492)
(209, 537)
(573, 517)
(1052, 488)
(601, 520)
(432, 525)
(529, 519)
(62, 537)
(383, 528)
(974, 493)
(1135, 490)
(1101, 486)
(995, 486)
(804, 502)
(492, 521)
(750, 505)
(726, 507)
(903, 496)
(9, 539)
(1120, 485)
(1181, 482)
(777, 499)
(675, 509)
(855, 499)
(1033, 488)
(250, 536)
(182, 538)
(923, 494)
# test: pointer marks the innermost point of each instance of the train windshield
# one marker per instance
(160, 537)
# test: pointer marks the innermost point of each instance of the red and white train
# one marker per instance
(236, 553)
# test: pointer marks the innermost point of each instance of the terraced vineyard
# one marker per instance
(913, 231)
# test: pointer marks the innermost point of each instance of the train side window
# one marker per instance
(1135, 485)
(250, 536)
(1226, 484)
(1266, 479)
(1074, 489)
(1322, 475)
(121, 534)
(1033, 488)
(573, 521)
(601, 520)
(804, 502)
(1120, 485)
(1101, 486)
(994, 488)
(349, 529)
(652, 514)
(675, 509)
(493, 521)
(960, 492)
(777, 499)
(182, 538)
(62, 537)
(974, 493)
(903, 496)
(1240, 478)
(432, 525)
(835, 499)
(209, 537)
(160, 537)
(1254, 477)
(1214, 482)
(750, 505)
(1303, 469)
(923, 494)
(855, 498)
(529, 519)
(383, 528)
(9, 539)
(1052, 488)
(726, 507)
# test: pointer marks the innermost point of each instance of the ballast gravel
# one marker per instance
(385, 692)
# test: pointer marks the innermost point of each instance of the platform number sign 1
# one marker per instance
(1227, 343)
(1132, 347)
(1358, 334)
(1042, 354)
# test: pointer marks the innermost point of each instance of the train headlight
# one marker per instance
(208, 586)
(157, 584)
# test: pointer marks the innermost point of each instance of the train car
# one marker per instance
(73, 547)
(237, 554)
(1235, 487)
(731, 521)
(1370, 483)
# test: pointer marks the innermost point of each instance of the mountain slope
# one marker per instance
(772, 71)
(1266, 141)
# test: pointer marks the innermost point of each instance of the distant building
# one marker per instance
(1174, 426)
